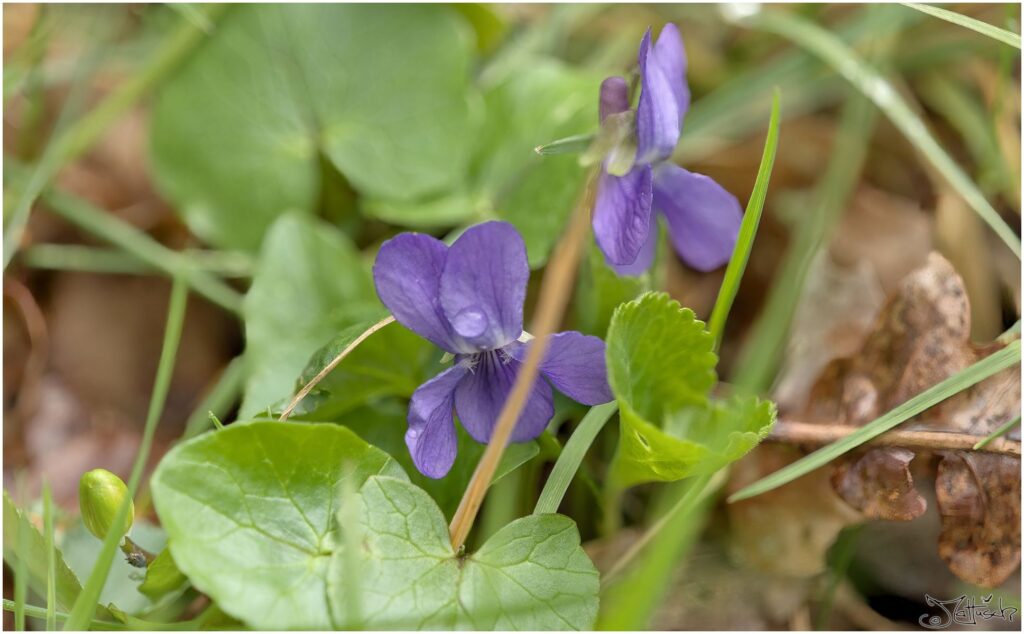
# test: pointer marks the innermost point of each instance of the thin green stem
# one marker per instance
(51, 559)
(847, 63)
(1002, 431)
(119, 233)
(21, 566)
(748, 229)
(216, 404)
(989, 30)
(38, 612)
(759, 359)
(85, 605)
(87, 130)
(87, 259)
(568, 463)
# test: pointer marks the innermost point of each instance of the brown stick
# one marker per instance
(307, 388)
(799, 433)
(554, 295)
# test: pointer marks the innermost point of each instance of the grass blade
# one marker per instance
(846, 62)
(569, 145)
(38, 612)
(569, 461)
(139, 244)
(759, 359)
(748, 229)
(960, 381)
(218, 401)
(994, 32)
(51, 560)
(21, 567)
(85, 605)
(78, 138)
(998, 433)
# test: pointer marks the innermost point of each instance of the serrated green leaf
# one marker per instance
(661, 368)
(380, 91)
(309, 284)
(383, 425)
(249, 514)
(33, 555)
(530, 575)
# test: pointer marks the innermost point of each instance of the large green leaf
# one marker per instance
(309, 285)
(508, 180)
(547, 100)
(383, 424)
(249, 514)
(661, 369)
(22, 540)
(530, 575)
(380, 91)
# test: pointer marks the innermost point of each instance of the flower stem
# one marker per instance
(307, 388)
(554, 296)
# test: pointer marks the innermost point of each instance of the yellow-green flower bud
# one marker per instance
(100, 494)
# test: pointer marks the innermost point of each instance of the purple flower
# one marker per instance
(468, 300)
(703, 218)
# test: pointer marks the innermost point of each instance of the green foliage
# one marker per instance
(80, 549)
(309, 285)
(392, 362)
(661, 369)
(530, 575)
(380, 91)
(23, 542)
(600, 291)
(383, 425)
(249, 512)
(162, 576)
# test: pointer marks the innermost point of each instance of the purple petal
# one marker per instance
(407, 274)
(431, 436)
(645, 258)
(575, 365)
(614, 97)
(482, 393)
(657, 114)
(483, 285)
(670, 56)
(703, 218)
(622, 214)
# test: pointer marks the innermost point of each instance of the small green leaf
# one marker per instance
(661, 368)
(309, 285)
(18, 529)
(530, 575)
(249, 513)
(162, 576)
(392, 362)
(380, 91)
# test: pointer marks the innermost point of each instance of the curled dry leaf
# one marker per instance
(922, 336)
(919, 337)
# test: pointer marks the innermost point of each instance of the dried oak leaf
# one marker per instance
(922, 336)
(978, 497)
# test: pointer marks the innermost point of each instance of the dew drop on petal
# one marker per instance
(470, 322)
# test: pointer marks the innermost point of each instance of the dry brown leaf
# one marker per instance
(880, 485)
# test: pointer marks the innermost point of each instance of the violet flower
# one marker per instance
(703, 218)
(468, 300)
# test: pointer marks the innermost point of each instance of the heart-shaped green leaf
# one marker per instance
(380, 91)
(661, 368)
(249, 513)
(530, 575)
